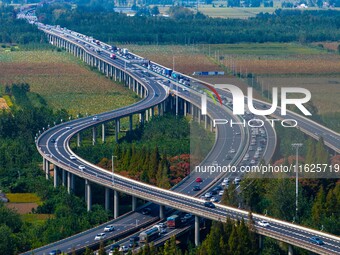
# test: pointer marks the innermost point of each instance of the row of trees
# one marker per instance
(184, 27)
(13, 30)
(148, 153)
(20, 172)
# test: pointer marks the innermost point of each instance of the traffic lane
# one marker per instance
(87, 237)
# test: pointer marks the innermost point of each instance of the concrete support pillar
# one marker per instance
(69, 182)
(117, 124)
(55, 176)
(134, 203)
(161, 211)
(116, 204)
(290, 249)
(185, 107)
(88, 195)
(142, 118)
(47, 171)
(199, 115)
(103, 133)
(211, 125)
(78, 140)
(147, 115)
(205, 121)
(63, 177)
(107, 199)
(192, 111)
(130, 122)
(197, 230)
(261, 242)
(94, 135)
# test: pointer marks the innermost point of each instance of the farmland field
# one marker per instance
(186, 59)
(63, 81)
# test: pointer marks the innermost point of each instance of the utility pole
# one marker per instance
(297, 146)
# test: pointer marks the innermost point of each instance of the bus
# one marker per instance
(148, 235)
(173, 221)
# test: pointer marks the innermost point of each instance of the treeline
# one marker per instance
(20, 172)
(156, 153)
(185, 27)
(17, 31)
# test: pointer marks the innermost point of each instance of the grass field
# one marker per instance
(23, 198)
(36, 219)
(63, 81)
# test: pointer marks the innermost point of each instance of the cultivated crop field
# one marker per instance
(325, 90)
(63, 81)
(283, 64)
(186, 59)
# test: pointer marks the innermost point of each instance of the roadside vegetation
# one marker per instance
(187, 27)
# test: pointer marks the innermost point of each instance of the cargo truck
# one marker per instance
(173, 221)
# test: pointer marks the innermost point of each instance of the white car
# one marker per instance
(124, 248)
(100, 236)
(68, 127)
(221, 192)
(226, 180)
(208, 195)
(95, 118)
(109, 228)
(72, 157)
(81, 167)
(213, 199)
(232, 151)
(264, 223)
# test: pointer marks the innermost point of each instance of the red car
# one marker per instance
(199, 179)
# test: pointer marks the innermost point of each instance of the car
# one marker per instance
(52, 140)
(162, 224)
(188, 216)
(213, 199)
(68, 127)
(226, 180)
(198, 179)
(196, 188)
(81, 167)
(252, 162)
(72, 157)
(251, 148)
(109, 228)
(133, 241)
(55, 252)
(218, 188)
(146, 211)
(221, 192)
(232, 151)
(100, 236)
(123, 248)
(95, 118)
(214, 163)
(316, 240)
(113, 248)
(228, 157)
(237, 180)
(264, 223)
(237, 133)
(208, 195)
(209, 204)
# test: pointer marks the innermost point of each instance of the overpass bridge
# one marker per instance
(53, 145)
